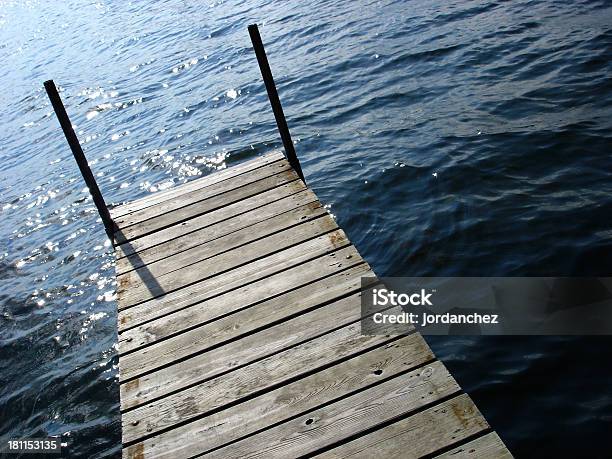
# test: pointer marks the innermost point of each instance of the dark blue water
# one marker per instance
(509, 103)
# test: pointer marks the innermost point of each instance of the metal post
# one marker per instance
(281, 122)
(77, 151)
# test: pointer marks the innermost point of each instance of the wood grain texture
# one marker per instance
(216, 220)
(212, 292)
(280, 404)
(196, 184)
(420, 434)
(174, 258)
(138, 286)
(212, 334)
(344, 418)
(231, 315)
(250, 347)
(240, 276)
(202, 194)
(489, 446)
(157, 221)
(239, 223)
(286, 363)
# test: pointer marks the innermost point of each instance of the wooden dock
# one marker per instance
(239, 334)
(239, 326)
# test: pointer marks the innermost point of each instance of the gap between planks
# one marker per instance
(158, 217)
(134, 288)
(358, 372)
(202, 182)
(174, 259)
(132, 255)
(253, 291)
(229, 315)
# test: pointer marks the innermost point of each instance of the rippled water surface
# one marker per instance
(507, 103)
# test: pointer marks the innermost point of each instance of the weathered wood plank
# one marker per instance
(347, 417)
(211, 179)
(210, 233)
(231, 215)
(256, 291)
(178, 216)
(489, 446)
(138, 286)
(262, 343)
(272, 407)
(418, 435)
(176, 259)
(238, 315)
(201, 194)
(274, 369)
(243, 275)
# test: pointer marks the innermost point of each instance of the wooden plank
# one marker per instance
(271, 407)
(211, 179)
(415, 436)
(196, 377)
(240, 276)
(138, 286)
(347, 417)
(239, 316)
(230, 215)
(195, 196)
(258, 290)
(258, 345)
(209, 233)
(173, 258)
(182, 214)
(489, 446)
